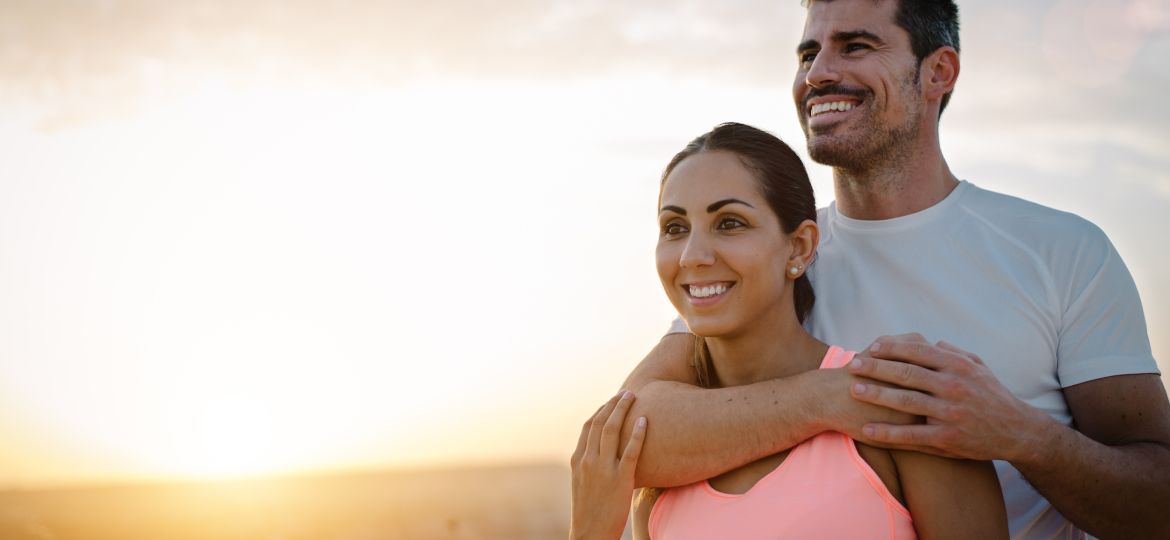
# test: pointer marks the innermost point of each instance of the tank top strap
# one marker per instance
(836, 357)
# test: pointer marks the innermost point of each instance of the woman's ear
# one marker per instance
(804, 247)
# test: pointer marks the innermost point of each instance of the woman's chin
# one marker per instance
(707, 327)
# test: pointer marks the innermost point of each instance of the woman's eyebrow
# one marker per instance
(675, 209)
(720, 204)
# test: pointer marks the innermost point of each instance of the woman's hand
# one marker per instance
(603, 478)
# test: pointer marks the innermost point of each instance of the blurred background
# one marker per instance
(360, 269)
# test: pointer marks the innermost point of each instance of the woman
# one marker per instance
(737, 230)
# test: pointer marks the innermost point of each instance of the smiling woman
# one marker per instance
(737, 232)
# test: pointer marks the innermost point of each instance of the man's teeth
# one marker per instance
(710, 290)
(834, 106)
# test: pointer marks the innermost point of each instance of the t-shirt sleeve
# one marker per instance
(678, 326)
(1103, 327)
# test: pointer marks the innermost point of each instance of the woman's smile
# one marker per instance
(705, 293)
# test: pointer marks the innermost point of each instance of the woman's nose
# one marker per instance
(697, 252)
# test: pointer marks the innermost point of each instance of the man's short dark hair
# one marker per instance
(930, 23)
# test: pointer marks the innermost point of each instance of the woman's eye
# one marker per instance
(730, 223)
(671, 229)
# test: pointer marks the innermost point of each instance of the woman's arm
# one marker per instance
(603, 473)
(951, 498)
(644, 501)
(692, 424)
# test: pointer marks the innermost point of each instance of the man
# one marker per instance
(1064, 392)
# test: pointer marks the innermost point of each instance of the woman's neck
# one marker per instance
(765, 352)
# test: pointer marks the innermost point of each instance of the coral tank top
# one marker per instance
(823, 489)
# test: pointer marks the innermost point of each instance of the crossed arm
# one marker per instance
(693, 424)
(1110, 475)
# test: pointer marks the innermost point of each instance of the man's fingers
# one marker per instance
(920, 353)
(634, 447)
(917, 438)
(907, 401)
(970, 356)
(611, 432)
(899, 373)
(593, 445)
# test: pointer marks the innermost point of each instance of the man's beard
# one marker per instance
(868, 145)
(868, 142)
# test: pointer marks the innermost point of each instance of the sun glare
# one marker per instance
(229, 363)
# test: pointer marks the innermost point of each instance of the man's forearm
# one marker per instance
(699, 433)
(1109, 491)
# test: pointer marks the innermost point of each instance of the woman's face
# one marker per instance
(721, 254)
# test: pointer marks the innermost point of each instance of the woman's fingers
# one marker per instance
(611, 432)
(593, 445)
(634, 446)
(582, 441)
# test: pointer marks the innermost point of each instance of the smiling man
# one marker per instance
(1059, 386)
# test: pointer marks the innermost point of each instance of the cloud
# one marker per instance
(59, 46)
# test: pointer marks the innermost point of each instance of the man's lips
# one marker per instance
(835, 99)
(827, 107)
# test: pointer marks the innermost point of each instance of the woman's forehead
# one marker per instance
(710, 176)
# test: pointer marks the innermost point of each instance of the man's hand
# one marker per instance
(969, 413)
(840, 412)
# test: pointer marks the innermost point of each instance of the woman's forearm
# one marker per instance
(699, 433)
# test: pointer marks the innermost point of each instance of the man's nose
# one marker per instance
(823, 72)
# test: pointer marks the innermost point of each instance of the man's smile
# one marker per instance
(822, 112)
(822, 108)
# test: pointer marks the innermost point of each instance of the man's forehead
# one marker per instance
(825, 18)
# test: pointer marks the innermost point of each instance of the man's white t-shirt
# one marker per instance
(1040, 295)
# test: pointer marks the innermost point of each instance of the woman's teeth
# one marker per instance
(707, 291)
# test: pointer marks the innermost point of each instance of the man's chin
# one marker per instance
(831, 153)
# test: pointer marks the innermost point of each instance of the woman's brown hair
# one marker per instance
(783, 182)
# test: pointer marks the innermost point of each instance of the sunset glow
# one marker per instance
(251, 238)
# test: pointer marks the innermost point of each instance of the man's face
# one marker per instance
(856, 89)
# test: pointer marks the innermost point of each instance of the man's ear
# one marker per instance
(940, 71)
(804, 247)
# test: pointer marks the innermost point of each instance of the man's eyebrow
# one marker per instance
(810, 44)
(675, 209)
(720, 204)
(858, 34)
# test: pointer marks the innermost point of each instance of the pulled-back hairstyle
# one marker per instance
(784, 184)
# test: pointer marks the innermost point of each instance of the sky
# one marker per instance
(242, 237)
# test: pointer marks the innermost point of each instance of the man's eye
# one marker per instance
(807, 57)
(854, 47)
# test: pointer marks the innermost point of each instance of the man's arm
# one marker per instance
(700, 433)
(1120, 451)
(1110, 476)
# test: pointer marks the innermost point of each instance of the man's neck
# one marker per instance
(894, 187)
